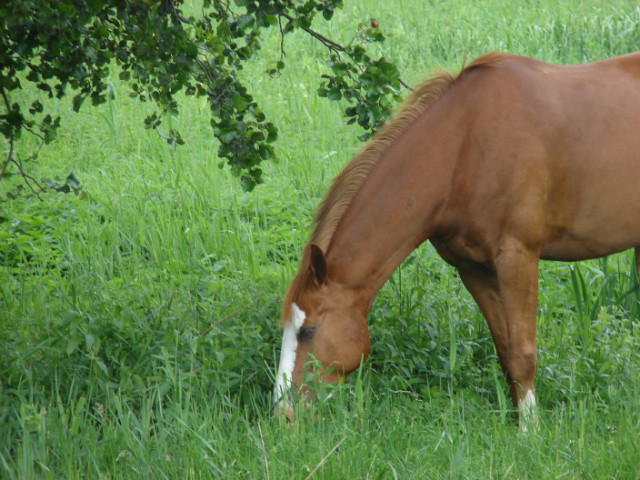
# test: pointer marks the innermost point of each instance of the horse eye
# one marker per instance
(306, 333)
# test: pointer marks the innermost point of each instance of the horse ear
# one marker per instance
(318, 264)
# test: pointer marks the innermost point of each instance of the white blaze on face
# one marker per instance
(288, 353)
(528, 416)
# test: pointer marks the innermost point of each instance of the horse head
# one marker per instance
(325, 335)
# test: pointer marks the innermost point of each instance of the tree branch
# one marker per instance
(10, 156)
(402, 82)
(27, 178)
(330, 44)
(282, 53)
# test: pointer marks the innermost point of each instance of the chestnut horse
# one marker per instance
(511, 161)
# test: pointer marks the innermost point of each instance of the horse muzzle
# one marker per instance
(284, 409)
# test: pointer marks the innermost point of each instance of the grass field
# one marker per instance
(139, 320)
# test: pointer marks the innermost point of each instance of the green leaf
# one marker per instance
(73, 343)
(227, 136)
(71, 317)
(272, 132)
(77, 102)
(245, 21)
(36, 107)
(340, 68)
(73, 181)
(101, 366)
(239, 102)
(334, 94)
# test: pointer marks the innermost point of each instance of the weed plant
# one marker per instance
(139, 319)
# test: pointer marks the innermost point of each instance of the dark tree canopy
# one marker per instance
(160, 52)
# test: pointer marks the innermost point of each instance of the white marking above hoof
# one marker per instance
(528, 415)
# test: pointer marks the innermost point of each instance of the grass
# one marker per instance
(139, 330)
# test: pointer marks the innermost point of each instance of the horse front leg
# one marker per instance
(483, 286)
(507, 297)
(517, 274)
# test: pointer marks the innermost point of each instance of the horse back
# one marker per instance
(549, 154)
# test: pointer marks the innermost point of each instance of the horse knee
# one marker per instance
(521, 365)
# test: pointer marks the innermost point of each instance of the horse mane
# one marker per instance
(348, 182)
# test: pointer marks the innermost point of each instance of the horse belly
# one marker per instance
(602, 225)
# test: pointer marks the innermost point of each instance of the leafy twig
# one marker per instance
(333, 46)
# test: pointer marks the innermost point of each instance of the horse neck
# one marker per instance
(396, 209)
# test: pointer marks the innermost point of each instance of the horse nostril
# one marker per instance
(284, 409)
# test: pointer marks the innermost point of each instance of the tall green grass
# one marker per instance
(139, 330)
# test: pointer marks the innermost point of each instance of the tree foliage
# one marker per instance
(69, 46)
